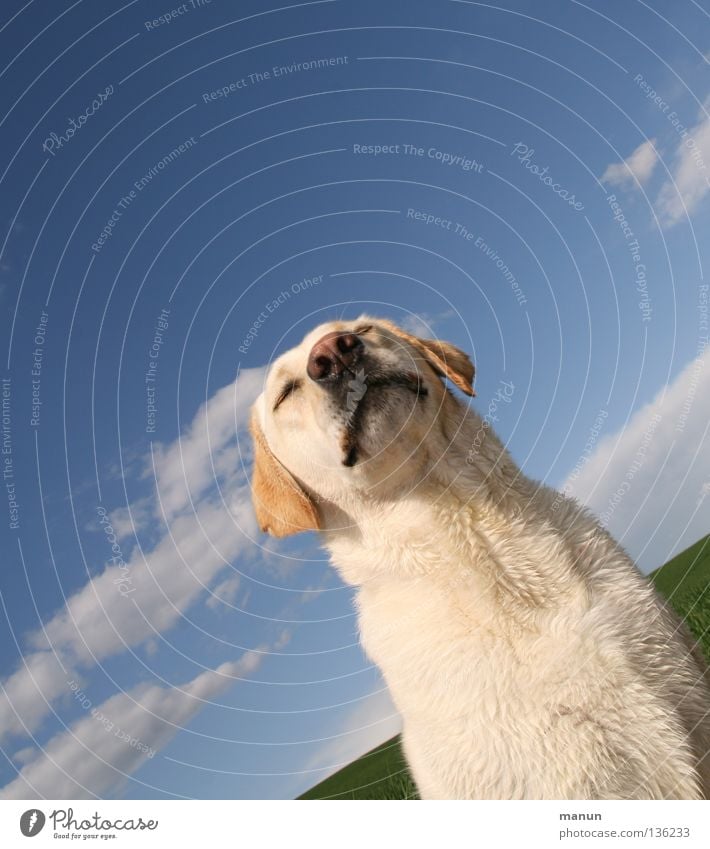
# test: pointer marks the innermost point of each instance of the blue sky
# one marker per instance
(529, 181)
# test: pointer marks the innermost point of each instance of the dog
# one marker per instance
(527, 655)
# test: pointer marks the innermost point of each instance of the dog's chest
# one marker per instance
(439, 650)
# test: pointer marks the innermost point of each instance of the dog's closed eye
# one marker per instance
(288, 389)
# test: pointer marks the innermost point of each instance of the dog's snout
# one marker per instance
(333, 354)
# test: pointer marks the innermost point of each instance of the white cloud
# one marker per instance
(423, 324)
(25, 755)
(127, 603)
(224, 592)
(24, 697)
(682, 195)
(95, 756)
(647, 481)
(127, 521)
(637, 167)
(184, 469)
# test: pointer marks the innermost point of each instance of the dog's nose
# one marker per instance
(333, 354)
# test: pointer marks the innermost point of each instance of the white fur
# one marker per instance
(527, 655)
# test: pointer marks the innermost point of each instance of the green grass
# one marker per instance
(685, 582)
(382, 773)
(379, 774)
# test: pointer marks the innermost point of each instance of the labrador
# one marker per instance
(527, 655)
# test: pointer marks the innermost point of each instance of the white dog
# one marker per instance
(527, 655)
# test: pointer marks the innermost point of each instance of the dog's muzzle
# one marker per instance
(333, 357)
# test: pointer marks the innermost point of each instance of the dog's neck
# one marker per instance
(425, 527)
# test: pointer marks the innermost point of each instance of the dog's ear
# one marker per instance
(446, 359)
(282, 507)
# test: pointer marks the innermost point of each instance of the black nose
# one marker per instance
(333, 354)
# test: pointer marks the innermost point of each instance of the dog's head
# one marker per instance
(349, 409)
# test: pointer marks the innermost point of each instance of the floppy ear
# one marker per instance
(281, 506)
(446, 359)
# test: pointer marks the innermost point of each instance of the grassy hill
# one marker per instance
(685, 582)
(379, 774)
(382, 773)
